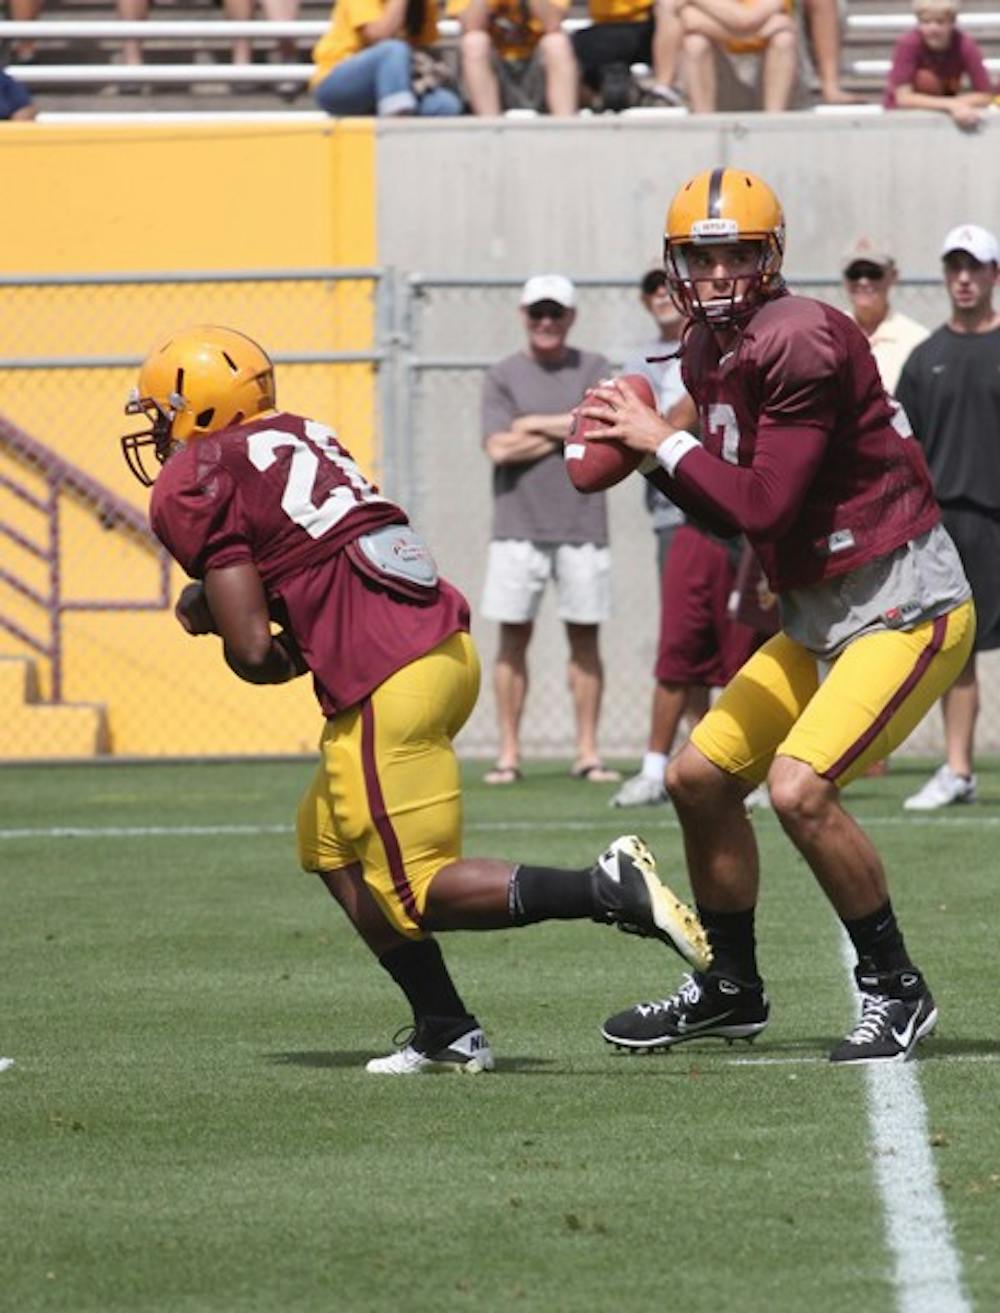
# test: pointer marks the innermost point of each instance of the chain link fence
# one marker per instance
(91, 659)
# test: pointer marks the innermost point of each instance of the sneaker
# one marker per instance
(942, 789)
(897, 1012)
(631, 895)
(462, 1048)
(640, 791)
(704, 1006)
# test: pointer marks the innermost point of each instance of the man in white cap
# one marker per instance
(543, 529)
(870, 273)
(949, 390)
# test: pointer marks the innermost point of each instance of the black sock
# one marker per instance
(549, 893)
(419, 970)
(878, 939)
(734, 944)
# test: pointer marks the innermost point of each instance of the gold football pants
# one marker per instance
(387, 793)
(873, 697)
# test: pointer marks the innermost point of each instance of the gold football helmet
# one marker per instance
(194, 382)
(724, 207)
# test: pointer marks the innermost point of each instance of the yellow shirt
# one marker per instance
(514, 30)
(619, 11)
(343, 37)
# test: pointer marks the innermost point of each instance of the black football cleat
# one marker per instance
(897, 1012)
(706, 1006)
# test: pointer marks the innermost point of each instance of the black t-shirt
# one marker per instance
(950, 390)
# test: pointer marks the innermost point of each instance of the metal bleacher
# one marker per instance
(76, 68)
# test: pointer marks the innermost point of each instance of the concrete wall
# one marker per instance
(589, 195)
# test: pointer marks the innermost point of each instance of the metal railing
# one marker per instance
(63, 479)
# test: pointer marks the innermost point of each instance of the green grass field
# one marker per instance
(189, 1126)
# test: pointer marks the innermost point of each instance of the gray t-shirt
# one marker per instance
(916, 583)
(534, 500)
(668, 388)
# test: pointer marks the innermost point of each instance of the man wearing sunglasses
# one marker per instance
(869, 276)
(543, 529)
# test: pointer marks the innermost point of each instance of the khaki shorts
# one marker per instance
(387, 793)
(518, 572)
(876, 693)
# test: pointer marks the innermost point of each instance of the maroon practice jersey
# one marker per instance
(802, 448)
(282, 493)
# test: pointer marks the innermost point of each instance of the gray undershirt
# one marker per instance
(916, 583)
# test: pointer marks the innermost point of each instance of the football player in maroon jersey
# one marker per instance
(802, 450)
(271, 516)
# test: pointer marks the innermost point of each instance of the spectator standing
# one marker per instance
(543, 529)
(623, 33)
(515, 55)
(698, 647)
(931, 64)
(365, 60)
(950, 390)
(870, 274)
(15, 99)
(714, 29)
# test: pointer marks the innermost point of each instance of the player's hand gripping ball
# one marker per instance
(593, 465)
(192, 610)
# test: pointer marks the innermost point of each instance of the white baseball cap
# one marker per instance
(549, 287)
(977, 242)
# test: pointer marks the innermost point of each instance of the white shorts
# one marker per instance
(517, 572)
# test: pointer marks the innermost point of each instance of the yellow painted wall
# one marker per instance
(163, 198)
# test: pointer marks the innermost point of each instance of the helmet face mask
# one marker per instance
(718, 283)
(156, 441)
(720, 214)
(192, 383)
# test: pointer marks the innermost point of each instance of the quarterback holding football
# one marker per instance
(800, 448)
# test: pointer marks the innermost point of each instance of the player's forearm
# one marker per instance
(276, 663)
(762, 499)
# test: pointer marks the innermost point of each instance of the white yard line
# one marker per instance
(927, 1269)
(616, 823)
(815, 1059)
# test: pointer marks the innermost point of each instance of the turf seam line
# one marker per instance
(474, 827)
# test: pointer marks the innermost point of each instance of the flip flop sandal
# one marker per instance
(595, 772)
(503, 775)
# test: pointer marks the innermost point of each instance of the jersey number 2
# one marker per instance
(297, 499)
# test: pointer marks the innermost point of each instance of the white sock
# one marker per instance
(654, 765)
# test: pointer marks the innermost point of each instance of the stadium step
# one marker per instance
(44, 731)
